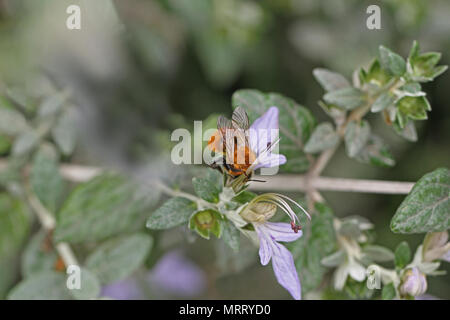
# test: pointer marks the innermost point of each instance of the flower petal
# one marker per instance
(270, 160)
(265, 248)
(281, 231)
(285, 271)
(264, 130)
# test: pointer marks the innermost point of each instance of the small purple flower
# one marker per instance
(263, 138)
(177, 275)
(258, 211)
(126, 289)
(414, 283)
(269, 233)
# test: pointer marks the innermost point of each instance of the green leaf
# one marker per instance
(334, 259)
(38, 256)
(378, 253)
(205, 222)
(388, 292)
(25, 142)
(173, 213)
(356, 137)
(52, 104)
(376, 152)
(323, 137)
(208, 188)
(347, 98)
(89, 286)
(230, 235)
(317, 242)
(422, 67)
(48, 285)
(64, 133)
(383, 101)
(402, 255)
(330, 80)
(427, 206)
(296, 124)
(103, 207)
(12, 122)
(15, 222)
(244, 197)
(119, 257)
(392, 62)
(414, 107)
(375, 75)
(45, 178)
(408, 131)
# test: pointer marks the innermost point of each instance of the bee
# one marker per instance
(231, 141)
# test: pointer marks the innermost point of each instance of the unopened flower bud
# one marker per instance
(259, 211)
(435, 246)
(204, 222)
(414, 283)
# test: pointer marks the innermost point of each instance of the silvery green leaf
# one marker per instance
(15, 223)
(378, 253)
(89, 286)
(347, 98)
(334, 259)
(427, 206)
(45, 178)
(25, 142)
(383, 101)
(36, 256)
(119, 257)
(323, 137)
(52, 104)
(356, 137)
(408, 132)
(388, 292)
(230, 235)
(208, 187)
(105, 206)
(12, 122)
(295, 121)
(391, 61)
(402, 255)
(330, 80)
(47, 285)
(376, 152)
(64, 133)
(174, 212)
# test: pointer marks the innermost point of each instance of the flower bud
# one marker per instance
(205, 222)
(259, 211)
(435, 246)
(414, 283)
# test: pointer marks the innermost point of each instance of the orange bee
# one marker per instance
(231, 141)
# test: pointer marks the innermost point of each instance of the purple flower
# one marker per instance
(126, 289)
(258, 211)
(269, 233)
(263, 138)
(177, 275)
(414, 283)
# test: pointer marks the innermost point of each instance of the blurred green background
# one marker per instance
(138, 69)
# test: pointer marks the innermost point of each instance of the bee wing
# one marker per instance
(239, 119)
(223, 123)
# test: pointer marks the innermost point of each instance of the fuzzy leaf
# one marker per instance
(427, 206)
(402, 255)
(119, 257)
(323, 137)
(209, 187)
(330, 80)
(356, 137)
(103, 207)
(347, 98)
(174, 212)
(392, 62)
(48, 285)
